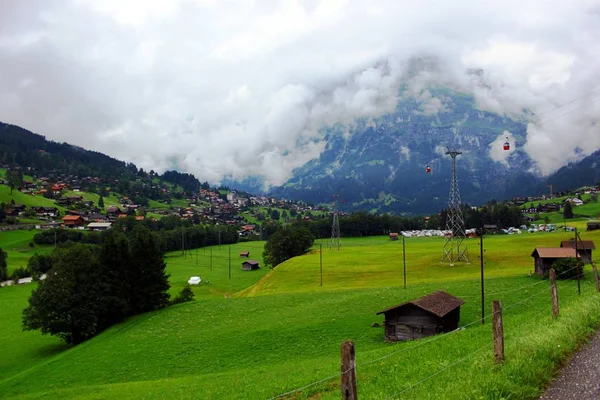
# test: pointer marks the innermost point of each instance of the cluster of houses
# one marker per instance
(544, 257)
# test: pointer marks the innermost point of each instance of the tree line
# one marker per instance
(90, 287)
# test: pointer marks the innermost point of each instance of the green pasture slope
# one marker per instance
(285, 331)
(16, 245)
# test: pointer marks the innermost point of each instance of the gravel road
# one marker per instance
(579, 378)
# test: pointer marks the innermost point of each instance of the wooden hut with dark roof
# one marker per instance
(544, 257)
(584, 248)
(250, 265)
(434, 313)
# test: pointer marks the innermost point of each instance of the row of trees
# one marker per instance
(184, 236)
(91, 287)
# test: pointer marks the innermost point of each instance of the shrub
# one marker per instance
(184, 296)
(19, 273)
(567, 268)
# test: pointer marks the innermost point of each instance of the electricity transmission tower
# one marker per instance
(336, 240)
(454, 249)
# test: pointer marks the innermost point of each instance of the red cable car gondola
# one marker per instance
(506, 144)
(428, 169)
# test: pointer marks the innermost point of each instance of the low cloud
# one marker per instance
(246, 88)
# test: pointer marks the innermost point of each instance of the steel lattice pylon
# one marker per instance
(454, 249)
(336, 240)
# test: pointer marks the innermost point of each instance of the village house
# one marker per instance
(584, 248)
(98, 226)
(393, 236)
(593, 225)
(73, 221)
(245, 254)
(113, 212)
(544, 257)
(434, 313)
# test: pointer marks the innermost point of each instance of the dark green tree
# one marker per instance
(285, 244)
(71, 302)
(568, 210)
(115, 261)
(149, 285)
(39, 264)
(100, 202)
(3, 265)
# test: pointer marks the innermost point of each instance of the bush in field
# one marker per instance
(20, 273)
(186, 294)
(567, 268)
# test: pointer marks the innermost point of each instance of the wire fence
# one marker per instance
(531, 318)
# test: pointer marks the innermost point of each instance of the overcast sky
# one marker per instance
(241, 87)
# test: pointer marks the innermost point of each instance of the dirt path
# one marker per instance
(578, 379)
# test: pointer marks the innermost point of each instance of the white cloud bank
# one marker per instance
(243, 87)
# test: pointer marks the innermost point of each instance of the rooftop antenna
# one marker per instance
(454, 249)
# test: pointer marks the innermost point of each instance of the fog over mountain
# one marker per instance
(249, 88)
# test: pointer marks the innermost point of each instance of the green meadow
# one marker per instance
(17, 245)
(263, 334)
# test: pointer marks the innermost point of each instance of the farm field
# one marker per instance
(285, 331)
(16, 245)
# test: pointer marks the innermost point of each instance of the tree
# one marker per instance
(287, 243)
(71, 303)
(568, 210)
(3, 265)
(115, 259)
(149, 285)
(39, 264)
(101, 202)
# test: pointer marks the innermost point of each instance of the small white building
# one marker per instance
(98, 226)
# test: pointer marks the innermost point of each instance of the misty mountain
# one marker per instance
(575, 175)
(379, 164)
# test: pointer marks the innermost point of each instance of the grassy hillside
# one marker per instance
(285, 332)
(16, 245)
(26, 199)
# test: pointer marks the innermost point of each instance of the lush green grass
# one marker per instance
(197, 262)
(26, 199)
(285, 332)
(16, 245)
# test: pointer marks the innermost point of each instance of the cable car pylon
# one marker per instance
(454, 249)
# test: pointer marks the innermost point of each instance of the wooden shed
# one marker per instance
(428, 315)
(593, 225)
(393, 236)
(249, 265)
(584, 248)
(245, 254)
(543, 257)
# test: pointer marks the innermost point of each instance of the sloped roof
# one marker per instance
(554, 252)
(581, 244)
(251, 262)
(439, 303)
(71, 217)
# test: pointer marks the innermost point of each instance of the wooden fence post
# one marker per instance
(498, 331)
(554, 293)
(596, 277)
(348, 371)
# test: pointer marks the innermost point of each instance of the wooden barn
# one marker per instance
(593, 225)
(434, 313)
(249, 265)
(543, 257)
(584, 248)
(393, 236)
(245, 254)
